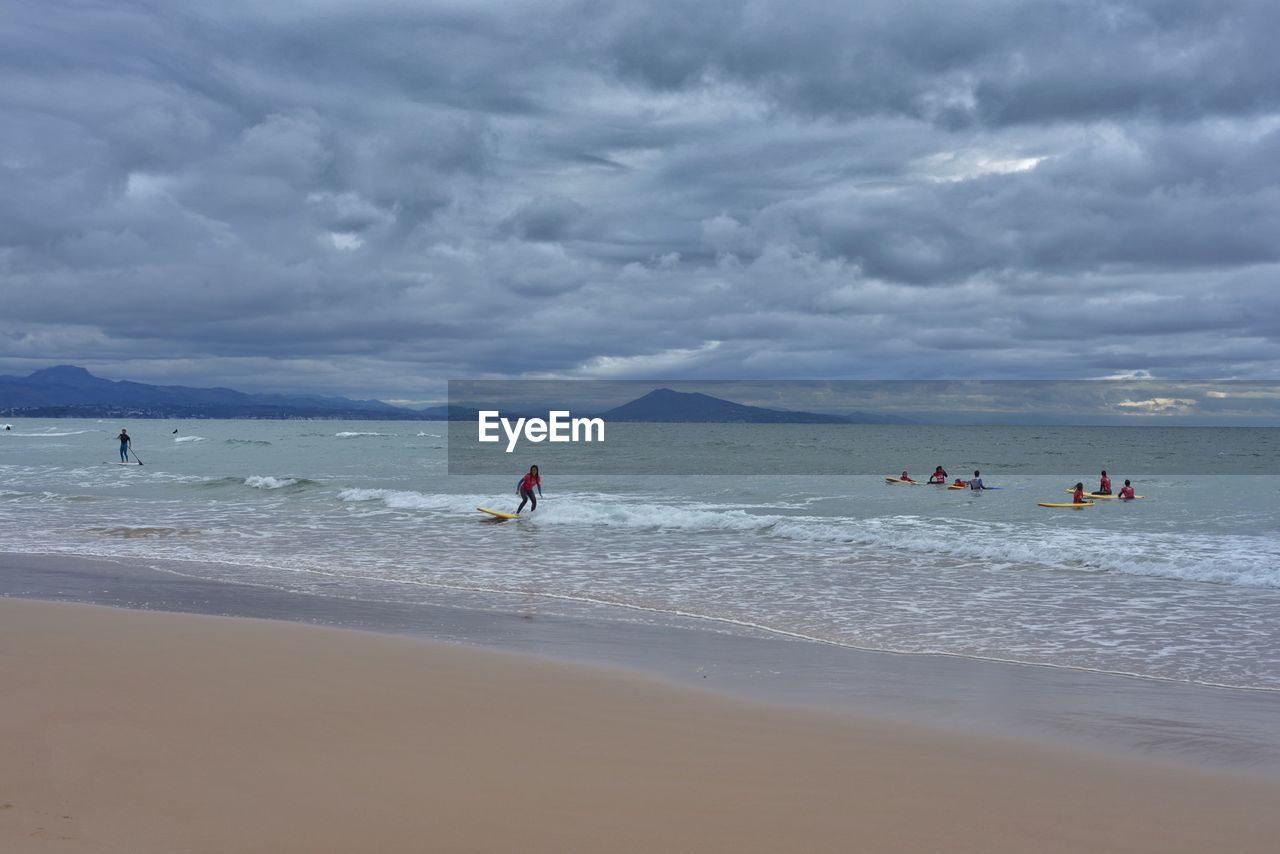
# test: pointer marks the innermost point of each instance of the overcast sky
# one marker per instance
(368, 198)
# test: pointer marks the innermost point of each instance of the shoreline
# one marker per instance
(1180, 724)
(152, 732)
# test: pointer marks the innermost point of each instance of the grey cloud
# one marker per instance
(398, 192)
(960, 62)
(546, 219)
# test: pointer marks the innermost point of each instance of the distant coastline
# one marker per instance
(67, 391)
(266, 414)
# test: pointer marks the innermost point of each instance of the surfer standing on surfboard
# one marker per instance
(125, 442)
(526, 487)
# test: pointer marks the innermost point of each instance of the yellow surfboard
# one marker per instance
(1048, 504)
(498, 513)
(1100, 497)
(900, 480)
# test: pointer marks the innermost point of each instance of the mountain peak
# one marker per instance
(62, 373)
(664, 404)
(668, 394)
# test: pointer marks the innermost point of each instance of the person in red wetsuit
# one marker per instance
(906, 478)
(1126, 492)
(527, 484)
(1078, 498)
(939, 475)
(1104, 484)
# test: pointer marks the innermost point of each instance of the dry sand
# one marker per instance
(139, 732)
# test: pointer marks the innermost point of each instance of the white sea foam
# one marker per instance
(1252, 561)
(403, 499)
(348, 434)
(268, 482)
(48, 434)
(647, 515)
(182, 439)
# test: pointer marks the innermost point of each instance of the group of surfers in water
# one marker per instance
(940, 475)
(533, 481)
(1104, 488)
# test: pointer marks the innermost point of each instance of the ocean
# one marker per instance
(1183, 585)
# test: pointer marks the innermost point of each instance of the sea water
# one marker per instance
(1183, 585)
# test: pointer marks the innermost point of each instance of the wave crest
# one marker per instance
(268, 482)
(127, 532)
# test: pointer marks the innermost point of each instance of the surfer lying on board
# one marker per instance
(526, 487)
(939, 475)
(906, 477)
(125, 442)
(1078, 498)
(1126, 492)
(976, 481)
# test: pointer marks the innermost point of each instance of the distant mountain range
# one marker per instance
(68, 391)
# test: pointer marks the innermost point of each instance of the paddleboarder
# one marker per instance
(125, 444)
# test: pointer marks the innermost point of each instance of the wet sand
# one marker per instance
(156, 732)
(1193, 725)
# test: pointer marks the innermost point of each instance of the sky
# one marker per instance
(370, 198)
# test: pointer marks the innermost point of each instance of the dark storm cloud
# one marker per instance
(368, 198)
(967, 61)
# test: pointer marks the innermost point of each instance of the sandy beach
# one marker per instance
(147, 732)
